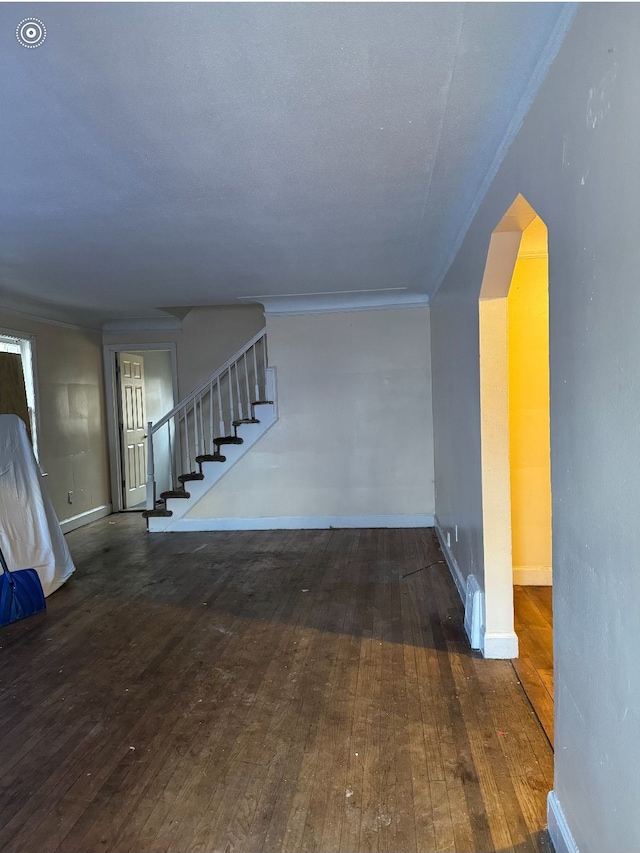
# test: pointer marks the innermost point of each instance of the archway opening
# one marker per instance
(515, 442)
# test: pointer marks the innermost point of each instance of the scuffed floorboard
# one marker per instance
(262, 691)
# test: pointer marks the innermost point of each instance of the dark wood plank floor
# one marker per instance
(262, 691)
(534, 626)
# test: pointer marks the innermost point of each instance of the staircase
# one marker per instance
(199, 440)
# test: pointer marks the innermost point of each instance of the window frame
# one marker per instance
(27, 344)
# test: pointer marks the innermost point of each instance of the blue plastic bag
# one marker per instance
(21, 594)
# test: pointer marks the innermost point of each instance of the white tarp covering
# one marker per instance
(30, 534)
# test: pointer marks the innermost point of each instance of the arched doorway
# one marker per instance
(514, 404)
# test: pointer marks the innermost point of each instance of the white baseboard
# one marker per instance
(289, 522)
(500, 645)
(532, 575)
(474, 612)
(561, 837)
(469, 591)
(85, 518)
(454, 568)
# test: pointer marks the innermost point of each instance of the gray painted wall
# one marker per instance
(576, 161)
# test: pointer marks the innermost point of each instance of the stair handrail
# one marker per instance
(207, 382)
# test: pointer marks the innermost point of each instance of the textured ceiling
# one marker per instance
(182, 154)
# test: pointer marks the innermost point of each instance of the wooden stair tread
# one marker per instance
(262, 403)
(209, 457)
(187, 478)
(174, 493)
(157, 513)
(241, 421)
(228, 439)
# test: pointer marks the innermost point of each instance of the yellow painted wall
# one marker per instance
(528, 312)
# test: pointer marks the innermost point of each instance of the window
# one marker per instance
(13, 342)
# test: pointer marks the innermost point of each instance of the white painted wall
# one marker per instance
(354, 436)
(71, 413)
(576, 161)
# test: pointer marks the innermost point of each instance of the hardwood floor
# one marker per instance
(262, 691)
(534, 627)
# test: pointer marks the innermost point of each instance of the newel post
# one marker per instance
(151, 483)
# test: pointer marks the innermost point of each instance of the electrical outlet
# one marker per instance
(70, 497)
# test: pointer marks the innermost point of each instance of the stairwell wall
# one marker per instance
(354, 440)
(208, 337)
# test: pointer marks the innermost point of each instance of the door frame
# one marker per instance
(112, 406)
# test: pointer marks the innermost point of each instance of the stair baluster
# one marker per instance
(170, 460)
(185, 420)
(246, 379)
(202, 446)
(239, 396)
(151, 483)
(255, 373)
(231, 408)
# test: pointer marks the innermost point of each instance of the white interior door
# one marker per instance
(133, 409)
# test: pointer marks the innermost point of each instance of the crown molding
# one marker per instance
(333, 302)
(41, 318)
(143, 324)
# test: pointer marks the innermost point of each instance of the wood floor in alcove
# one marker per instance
(262, 691)
(534, 627)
